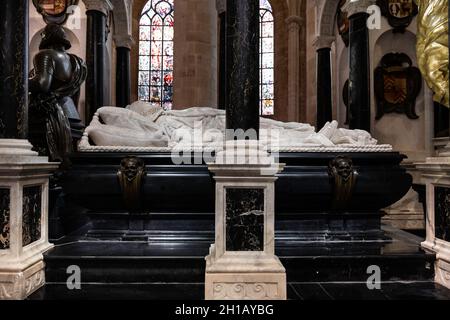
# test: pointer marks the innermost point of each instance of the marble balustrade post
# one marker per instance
(324, 80)
(97, 82)
(242, 65)
(123, 71)
(24, 175)
(13, 69)
(359, 62)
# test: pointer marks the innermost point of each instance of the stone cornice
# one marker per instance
(294, 19)
(125, 41)
(221, 6)
(321, 42)
(357, 6)
(104, 6)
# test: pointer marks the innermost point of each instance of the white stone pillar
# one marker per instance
(24, 184)
(294, 23)
(435, 173)
(242, 264)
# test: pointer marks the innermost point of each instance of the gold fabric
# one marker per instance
(432, 46)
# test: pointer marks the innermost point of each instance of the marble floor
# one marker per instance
(296, 291)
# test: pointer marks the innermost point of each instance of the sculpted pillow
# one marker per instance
(106, 135)
(127, 119)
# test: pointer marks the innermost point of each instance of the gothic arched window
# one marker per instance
(266, 65)
(156, 53)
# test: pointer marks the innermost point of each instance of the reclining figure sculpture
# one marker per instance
(142, 125)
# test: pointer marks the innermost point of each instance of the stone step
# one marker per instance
(153, 257)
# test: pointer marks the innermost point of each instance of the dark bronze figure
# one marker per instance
(54, 86)
(343, 175)
(131, 177)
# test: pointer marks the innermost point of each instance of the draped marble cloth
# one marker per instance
(144, 125)
(57, 126)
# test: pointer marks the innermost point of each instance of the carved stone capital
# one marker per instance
(321, 42)
(123, 41)
(294, 22)
(357, 6)
(221, 6)
(104, 6)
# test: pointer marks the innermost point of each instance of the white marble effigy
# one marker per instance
(142, 127)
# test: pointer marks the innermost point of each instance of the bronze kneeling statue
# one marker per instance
(54, 87)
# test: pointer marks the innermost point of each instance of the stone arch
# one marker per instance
(327, 18)
(122, 17)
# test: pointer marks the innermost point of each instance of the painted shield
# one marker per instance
(401, 8)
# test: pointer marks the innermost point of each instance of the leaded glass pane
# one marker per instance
(156, 53)
(267, 92)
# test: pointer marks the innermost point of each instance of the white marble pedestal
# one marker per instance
(435, 173)
(24, 184)
(242, 264)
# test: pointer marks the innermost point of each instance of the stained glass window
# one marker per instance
(266, 65)
(156, 53)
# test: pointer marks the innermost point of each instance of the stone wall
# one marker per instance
(195, 53)
(311, 84)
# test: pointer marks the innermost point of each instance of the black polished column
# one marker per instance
(359, 84)
(324, 91)
(97, 82)
(13, 69)
(242, 65)
(123, 77)
(441, 121)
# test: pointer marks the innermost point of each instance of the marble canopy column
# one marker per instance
(242, 65)
(324, 82)
(13, 69)
(359, 79)
(123, 70)
(97, 82)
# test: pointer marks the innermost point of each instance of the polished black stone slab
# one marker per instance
(123, 77)
(304, 192)
(179, 256)
(415, 290)
(14, 69)
(244, 219)
(97, 82)
(242, 65)
(160, 291)
(324, 88)
(359, 92)
(442, 213)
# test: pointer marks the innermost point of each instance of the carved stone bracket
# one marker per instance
(343, 176)
(321, 42)
(131, 176)
(124, 41)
